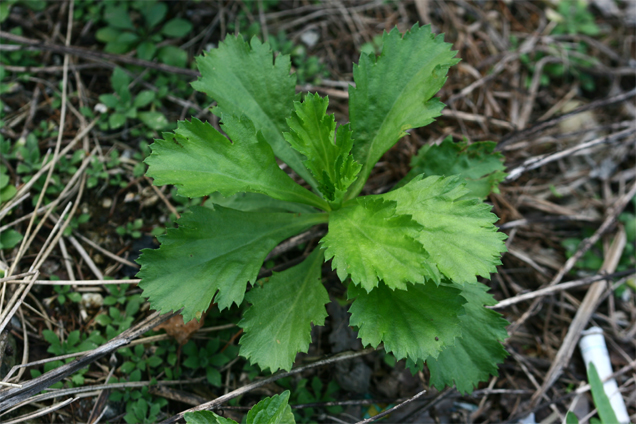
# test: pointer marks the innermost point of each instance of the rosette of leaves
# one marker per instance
(410, 257)
(136, 25)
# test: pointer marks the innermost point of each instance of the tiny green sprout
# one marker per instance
(122, 106)
(143, 34)
(65, 292)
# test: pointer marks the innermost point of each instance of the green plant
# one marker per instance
(271, 410)
(314, 393)
(124, 106)
(5, 7)
(117, 321)
(602, 402)
(66, 292)
(7, 191)
(75, 342)
(131, 228)
(208, 358)
(574, 18)
(10, 239)
(168, 352)
(141, 406)
(409, 258)
(125, 33)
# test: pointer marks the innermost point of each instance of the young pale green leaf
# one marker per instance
(278, 324)
(200, 160)
(213, 251)
(475, 355)
(328, 158)
(458, 234)
(248, 81)
(206, 417)
(601, 400)
(272, 410)
(394, 93)
(477, 163)
(369, 242)
(416, 323)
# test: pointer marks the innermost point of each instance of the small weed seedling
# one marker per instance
(409, 258)
(75, 342)
(208, 359)
(123, 106)
(117, 321)
(65, 293)
(311, 393)
(122, 35)
(131, 229)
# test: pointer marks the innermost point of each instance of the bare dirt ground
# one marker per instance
(557, 97)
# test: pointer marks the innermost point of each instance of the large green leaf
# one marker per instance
(475, 355)
(278, 324)
(213, 251)
(256, 202)
(248, 81)
(200, 160)
(477, 163)
(458, 234)
(394, 93)
(329, 159)
(416, 323)
(369, 242)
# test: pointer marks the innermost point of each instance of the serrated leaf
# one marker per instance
(370, 242)
(416, 323)
(477, 163)
(313, 133)
(207, 254)
(278, 324)
(206, 417)
(246, 80)
(272, 410)
(394, 93)
(475, 355)
(458, 234)
(200, 160)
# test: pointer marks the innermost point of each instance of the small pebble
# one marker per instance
(92, 300)
(310, 38)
